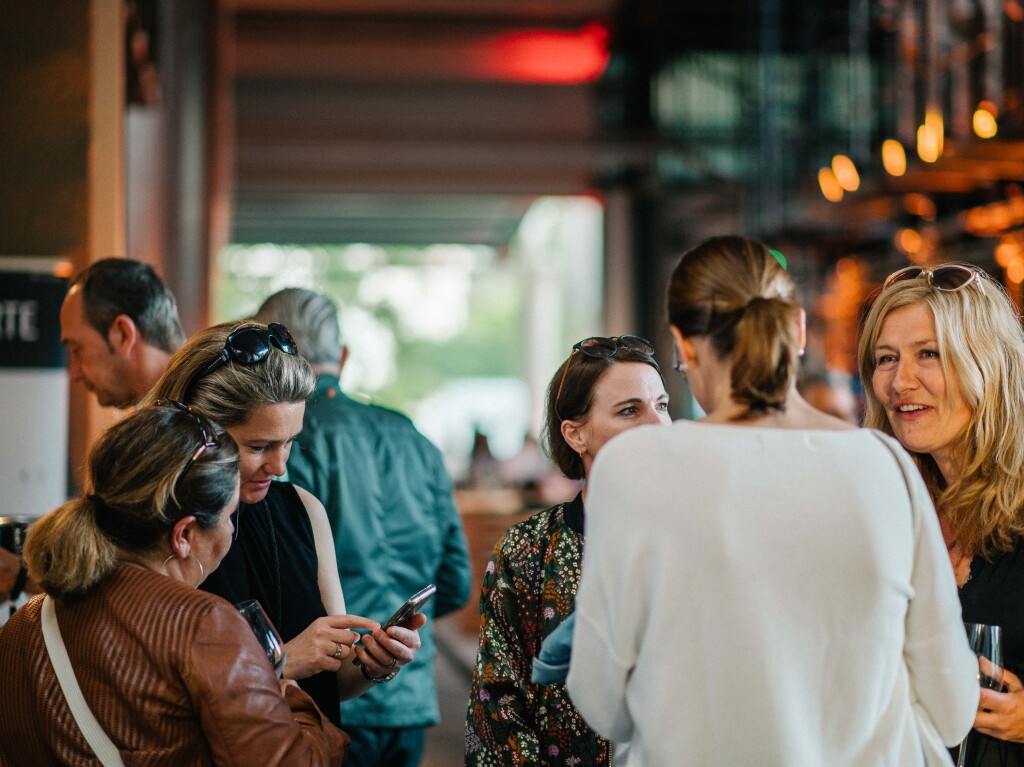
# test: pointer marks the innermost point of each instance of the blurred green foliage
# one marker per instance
(472, 299)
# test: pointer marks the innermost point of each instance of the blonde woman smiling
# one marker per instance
(942, 359)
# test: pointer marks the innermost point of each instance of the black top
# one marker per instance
(994, 594)
(274, 560)
(573, 512)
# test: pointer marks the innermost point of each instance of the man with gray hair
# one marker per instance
(119, 323)
(396, 530)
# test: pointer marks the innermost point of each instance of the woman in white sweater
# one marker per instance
(768, 586)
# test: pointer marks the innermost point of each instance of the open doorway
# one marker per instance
(462, 337)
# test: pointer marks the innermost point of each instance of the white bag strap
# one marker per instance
(97, 739)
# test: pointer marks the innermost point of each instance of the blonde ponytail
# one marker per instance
(765, 354)
(146, 474)
(65, 551)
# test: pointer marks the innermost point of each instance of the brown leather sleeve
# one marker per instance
(305, 712)
(238, 699)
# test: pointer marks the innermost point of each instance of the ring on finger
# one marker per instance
(340, 651)
(393, 663)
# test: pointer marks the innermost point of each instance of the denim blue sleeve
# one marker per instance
(552, 664)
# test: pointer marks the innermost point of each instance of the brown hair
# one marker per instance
(114, 286)
(230, 393)
(733, 291)
(140, 482)
(581, 378)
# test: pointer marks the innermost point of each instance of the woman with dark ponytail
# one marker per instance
(768, 586)
(171, 675)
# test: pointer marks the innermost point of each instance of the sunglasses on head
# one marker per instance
(947, 278)
(207, 433)
(249, 346)
(601, 348)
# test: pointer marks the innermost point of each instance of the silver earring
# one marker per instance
(678, 365)
(202, 570)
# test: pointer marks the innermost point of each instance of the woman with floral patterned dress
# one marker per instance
(529, 588)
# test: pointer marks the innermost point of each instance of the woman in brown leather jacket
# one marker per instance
(173, 675)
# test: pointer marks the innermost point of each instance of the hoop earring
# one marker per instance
(202, 570)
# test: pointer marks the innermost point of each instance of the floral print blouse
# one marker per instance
(528, 589)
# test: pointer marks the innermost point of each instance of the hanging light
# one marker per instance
(927, 144)
(846, 173)
(894, 158)
(1015, 272)
(930, 137)
(933, 119)
(1007, 251)
(829, 185)
(908, 240)
(984, 120)
(918, 204)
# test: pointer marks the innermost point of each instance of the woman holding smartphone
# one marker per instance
(767, 586)
(606, 386)
(250, 379)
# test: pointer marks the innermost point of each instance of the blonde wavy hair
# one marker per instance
(734, 291)
(981, 349)
(233, 391)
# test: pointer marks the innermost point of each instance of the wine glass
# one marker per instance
(986, 641)
(265, 632)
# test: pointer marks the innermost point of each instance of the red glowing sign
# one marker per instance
(548, 55)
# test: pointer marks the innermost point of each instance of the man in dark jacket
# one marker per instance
(396, 530)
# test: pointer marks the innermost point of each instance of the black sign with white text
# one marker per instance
(30, 320)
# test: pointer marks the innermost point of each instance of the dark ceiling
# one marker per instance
(407, 121)
(380, 121)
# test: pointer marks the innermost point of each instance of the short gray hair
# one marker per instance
(312, 319)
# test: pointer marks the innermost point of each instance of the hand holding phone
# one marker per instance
(405, 612)
(411, 607)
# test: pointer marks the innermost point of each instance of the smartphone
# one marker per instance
(411, 607)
